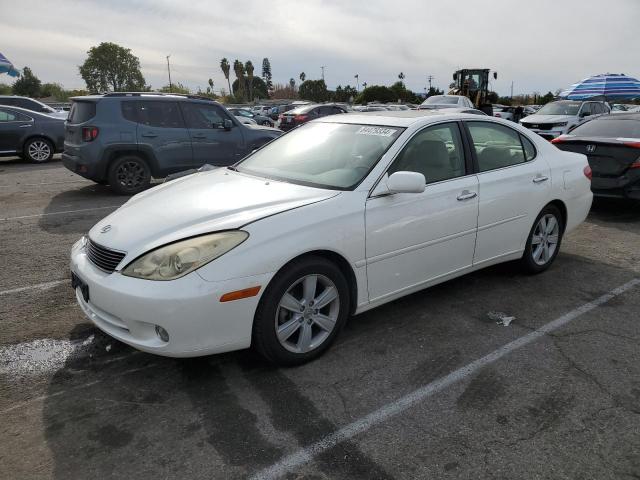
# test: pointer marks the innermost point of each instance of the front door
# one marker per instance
(12, 129)
(414, 238)
(212, 142)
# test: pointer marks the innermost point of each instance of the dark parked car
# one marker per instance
(33, 136)
(259, 119)
(280, 109)
(300, 115)
(612, 146)
(125, 139)
(31, 104)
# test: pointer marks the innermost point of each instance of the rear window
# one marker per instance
(81, 112)
(609, 128)
(160, 114)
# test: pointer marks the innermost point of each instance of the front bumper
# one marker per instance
(189, 309)
(548, 134)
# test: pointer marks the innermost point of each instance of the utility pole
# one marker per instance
(357, 77)
(511, 89)
(169, 70)
(430, 78)
(323, 67)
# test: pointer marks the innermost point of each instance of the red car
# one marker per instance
(300, 115)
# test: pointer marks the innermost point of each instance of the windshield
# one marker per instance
(325, 155)
(560, 108)
(441, 99)
(608, 128)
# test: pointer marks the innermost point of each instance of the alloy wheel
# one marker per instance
(307, 313)
(130, 174)
(39, 151)
(545, 239)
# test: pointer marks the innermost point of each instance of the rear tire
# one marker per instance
(38, 150)
(129, 175)
(301, 312)
(544, 240)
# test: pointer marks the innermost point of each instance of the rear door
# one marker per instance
(212, 142)
(514, 185)
(161, 131)
(13, 128)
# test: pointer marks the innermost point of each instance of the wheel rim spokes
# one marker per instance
(544, 241)
(130, 174)
(39, 151)
(307, 313)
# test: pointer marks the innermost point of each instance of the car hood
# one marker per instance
(548, 118)
(204, 202)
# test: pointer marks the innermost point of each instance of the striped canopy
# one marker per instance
(611, 85)
(7, 67)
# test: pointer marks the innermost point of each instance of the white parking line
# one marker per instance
(398, 406)
(58, 213)
(38, 286)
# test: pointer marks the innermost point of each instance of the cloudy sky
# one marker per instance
(540, 45)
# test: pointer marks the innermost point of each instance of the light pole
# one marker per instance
(357, 77)
(169, 70)
(323, 67)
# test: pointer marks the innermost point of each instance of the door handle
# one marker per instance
(200, 137)
(25, 126)
(466, 195)
(150, 135)
(540, 179)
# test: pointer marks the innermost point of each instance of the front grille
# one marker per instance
(102, 257)
(539, 126)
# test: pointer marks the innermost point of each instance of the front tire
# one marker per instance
(301, 312)
(129, 175)
(544, 240)
(38, 150)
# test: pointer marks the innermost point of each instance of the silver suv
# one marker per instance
(125, 139)
(557, 118)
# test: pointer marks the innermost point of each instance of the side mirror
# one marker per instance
(584, 114)
(227, 124)
(406, 182)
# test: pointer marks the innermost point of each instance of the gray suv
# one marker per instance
(125, 139)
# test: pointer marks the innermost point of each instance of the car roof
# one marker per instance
(401, 118)
(156, 96)
(619, 116)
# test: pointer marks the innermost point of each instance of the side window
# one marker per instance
(159, 114)
(436, 152)
(8, 101)
(586, 110)
(597, 108)
(529, 149)
(336, 110)
(201, 115)
(496, 146)
(130, 111)
(7, 116)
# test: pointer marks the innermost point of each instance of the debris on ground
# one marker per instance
(501, 318)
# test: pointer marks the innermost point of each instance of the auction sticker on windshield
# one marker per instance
(378, 131)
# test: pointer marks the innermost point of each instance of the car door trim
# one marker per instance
(500, 222)
(418, 246)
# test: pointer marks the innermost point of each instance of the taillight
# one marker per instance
(635, 164)
(301, 118)
(559, 139)
(89, 134)
(497, 115)
(281, 117)
(632, 144)
(587, 172)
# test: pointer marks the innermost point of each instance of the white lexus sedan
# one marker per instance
(338, 216)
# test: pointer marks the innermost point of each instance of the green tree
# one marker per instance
(314, 90)
(345, 94)
(54, 90)
(303, 76)
(5, 89)
(546, 98)
(376, 93)
(248, 66)
(259, 88)
(176, 88)
(226, 68)
(292, 84)
(401, 77)
(28, 84)
(210, 82)
(238, 69)
(110, 67)
(434, 91)
(401, 93)
(266, 73)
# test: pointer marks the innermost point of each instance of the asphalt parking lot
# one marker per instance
(428, 386)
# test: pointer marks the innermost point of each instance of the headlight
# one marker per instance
(177, 259)
(561, 124)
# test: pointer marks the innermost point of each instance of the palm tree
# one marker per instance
(238, 69)
(224, 65)
(303, 76)
(249, 68)
(401, 76)
(364, 85)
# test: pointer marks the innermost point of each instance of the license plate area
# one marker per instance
(77, 282)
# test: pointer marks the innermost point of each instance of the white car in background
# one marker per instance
(270, 253)
(446, 101)
(557, 118)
